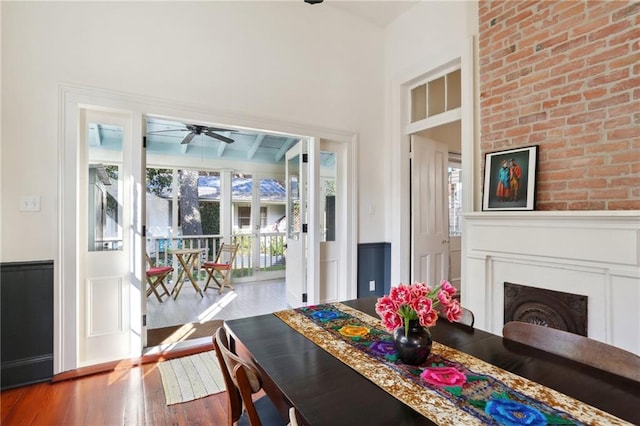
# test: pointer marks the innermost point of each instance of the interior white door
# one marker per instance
(332, 221)
(297, 220)
(429, 211)
(104, 244)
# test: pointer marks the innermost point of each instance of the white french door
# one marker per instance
(297, 221)
(104, 245)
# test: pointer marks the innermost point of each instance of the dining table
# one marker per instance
(188, 258)
(326, 390)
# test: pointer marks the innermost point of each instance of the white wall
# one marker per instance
(282, 60)
(425, 37)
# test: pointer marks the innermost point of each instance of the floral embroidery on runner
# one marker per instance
(361, 342)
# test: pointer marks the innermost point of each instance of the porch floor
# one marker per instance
(247, 299)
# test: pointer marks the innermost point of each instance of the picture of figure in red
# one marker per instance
(514, 179)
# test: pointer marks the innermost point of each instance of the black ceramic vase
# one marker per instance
(414, 347)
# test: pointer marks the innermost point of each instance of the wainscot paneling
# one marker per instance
(596, 254)
(374, 264)
(26, 306)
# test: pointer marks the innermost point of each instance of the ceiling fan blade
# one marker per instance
(188, 138)
(219, 137)
(168, 130)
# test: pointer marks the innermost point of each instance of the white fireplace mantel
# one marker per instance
(594, 253)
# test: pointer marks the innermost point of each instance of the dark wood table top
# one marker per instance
(325, 391)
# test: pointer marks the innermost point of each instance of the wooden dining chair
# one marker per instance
(156, 276)
(576, 347)
(222, 266)
(242, 382)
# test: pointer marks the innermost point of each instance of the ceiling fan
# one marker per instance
(196, 129)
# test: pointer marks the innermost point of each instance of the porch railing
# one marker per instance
(271, 258)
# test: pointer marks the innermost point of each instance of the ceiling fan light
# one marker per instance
(313, 1)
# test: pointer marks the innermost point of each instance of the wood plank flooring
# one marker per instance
(131, 396)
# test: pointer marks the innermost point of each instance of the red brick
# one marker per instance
(608, 194)
(570, 195)
(594, 93)
(569, 45)
(630, 36)
(608, 54)
(609, 30)
(587, 49)
(583, 139)
(587, 183)
(609, 171)
(624, 205)
(607, 102)
(617, 122)
(608, 78)
(555, 206)
(547, 84)
(589, 26)
(587, 72)
(626, 84)
(632, 9)
(626, 61)
(567, 110)
(628, 133)
(586, 117)
(586, 205)
(626, 157)
(607, 147)
(549, 124)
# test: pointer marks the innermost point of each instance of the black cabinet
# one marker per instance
(26, 306)
(374, 264)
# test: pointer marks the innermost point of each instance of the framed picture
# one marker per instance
(510, 179)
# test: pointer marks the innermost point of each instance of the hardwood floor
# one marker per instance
(133, 394)
(129, 396)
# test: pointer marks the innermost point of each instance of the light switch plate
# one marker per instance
(372, 285)
(30, 203)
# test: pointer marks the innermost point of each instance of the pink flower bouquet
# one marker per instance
(420, 302)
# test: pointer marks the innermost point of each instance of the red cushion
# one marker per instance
(216, 265)
(159, 270)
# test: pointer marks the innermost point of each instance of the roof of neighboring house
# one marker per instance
(242, 189)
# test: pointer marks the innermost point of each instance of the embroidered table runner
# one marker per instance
(451, 388)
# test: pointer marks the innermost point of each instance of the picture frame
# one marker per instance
(503, 189)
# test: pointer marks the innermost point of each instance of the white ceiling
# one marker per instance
(378, 12)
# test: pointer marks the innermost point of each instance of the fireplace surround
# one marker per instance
(594, 254)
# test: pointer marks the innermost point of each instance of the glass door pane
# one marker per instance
(241, 199)
(271, 230)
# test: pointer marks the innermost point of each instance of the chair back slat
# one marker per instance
(576, 347)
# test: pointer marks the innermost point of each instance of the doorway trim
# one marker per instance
(401, 130)
(71, 98)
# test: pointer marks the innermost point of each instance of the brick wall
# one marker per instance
(565, 75)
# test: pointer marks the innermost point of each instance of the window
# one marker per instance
(455, 199)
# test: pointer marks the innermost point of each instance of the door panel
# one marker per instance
(332, 219)
(104, 266)
(296, 271)
(429, 210)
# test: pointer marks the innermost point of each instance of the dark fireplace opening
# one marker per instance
(556, 309)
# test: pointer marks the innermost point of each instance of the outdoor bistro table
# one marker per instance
(326, 391)
(188, 259)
